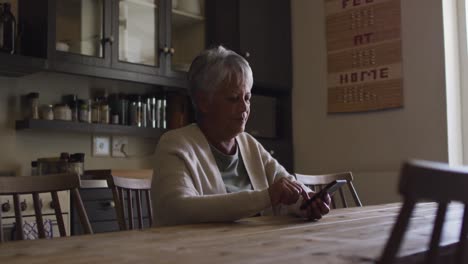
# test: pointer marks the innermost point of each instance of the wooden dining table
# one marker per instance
(352, 235)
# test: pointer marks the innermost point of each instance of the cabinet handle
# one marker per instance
(6, 207)
(165, 50)
(109, 40)
(172, 51)
(23, 205)
(109, 204)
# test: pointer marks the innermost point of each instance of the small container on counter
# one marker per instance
(47, 112)
(62, 112)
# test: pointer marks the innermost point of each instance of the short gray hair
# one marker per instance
(213, 66)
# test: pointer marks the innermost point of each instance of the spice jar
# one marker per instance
(96, 112)
(62, 112)
(47, 112)
(33, 100)
(85, 111)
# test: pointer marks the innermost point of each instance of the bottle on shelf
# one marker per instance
(7, 29)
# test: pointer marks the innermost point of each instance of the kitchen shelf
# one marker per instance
(77, 127)
(18, 65)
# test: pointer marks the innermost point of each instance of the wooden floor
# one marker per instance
(353, 235)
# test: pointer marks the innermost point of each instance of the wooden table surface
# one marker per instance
(353, 235)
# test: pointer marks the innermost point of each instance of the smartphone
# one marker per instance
(329, 188)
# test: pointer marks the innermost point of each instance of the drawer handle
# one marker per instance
(109, 204)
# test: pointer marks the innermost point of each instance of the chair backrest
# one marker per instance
(43, 184)
(125, 183)
(433, 181)
(320, 180)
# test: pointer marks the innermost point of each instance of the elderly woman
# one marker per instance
(214, 171)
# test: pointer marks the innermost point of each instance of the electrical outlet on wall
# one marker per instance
(119, 143)
(101, 146)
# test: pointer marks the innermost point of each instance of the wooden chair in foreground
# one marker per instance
(43, 184)
(320, 180)
(123, 184)
(430, 181)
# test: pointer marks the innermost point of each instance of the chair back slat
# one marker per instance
(318, 181)
(436, 234)
(149, 206)
(353, 192)
(38, 213)
(81, 211)
(343, 199)
(429, 181)
(118, 201)
(130, 208)
(462, 251)
(139, 211)
(58, 213)
(1, 228)
(18, 217)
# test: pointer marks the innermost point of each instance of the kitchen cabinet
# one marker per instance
(149, 41)
(260, 31)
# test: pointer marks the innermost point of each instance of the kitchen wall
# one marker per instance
(19, 148)
(374, 144)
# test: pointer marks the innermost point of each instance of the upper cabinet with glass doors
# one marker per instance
(187, 36)
(140, 40)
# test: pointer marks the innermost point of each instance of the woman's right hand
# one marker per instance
(285, 191)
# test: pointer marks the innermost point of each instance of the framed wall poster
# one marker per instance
(364, 55)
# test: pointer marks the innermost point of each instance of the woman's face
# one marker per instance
(228, 110)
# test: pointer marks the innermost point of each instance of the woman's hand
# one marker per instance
(318, 208)
(285, 191)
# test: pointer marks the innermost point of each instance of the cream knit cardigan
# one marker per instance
(188, 188)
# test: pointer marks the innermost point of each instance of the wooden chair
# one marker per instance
(43, 184)
(319, 181)
(438, 182)
(123, 184)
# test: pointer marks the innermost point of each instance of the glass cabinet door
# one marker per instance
(138, 31)
(80, 27)
(188, 32)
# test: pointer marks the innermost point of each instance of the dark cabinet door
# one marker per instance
(260, 31)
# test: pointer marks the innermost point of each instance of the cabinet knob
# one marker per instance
(246, 54)
(109, 204)
(23, 205)
(52, 205)
(165, 50)
(6, 207)
(272, 152)
(109, 40)
(172, 51)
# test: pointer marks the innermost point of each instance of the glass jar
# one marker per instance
(85, 111)
(62, 112)
(96, 112)
(105, 113)
(33, 100)
(47, 112)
